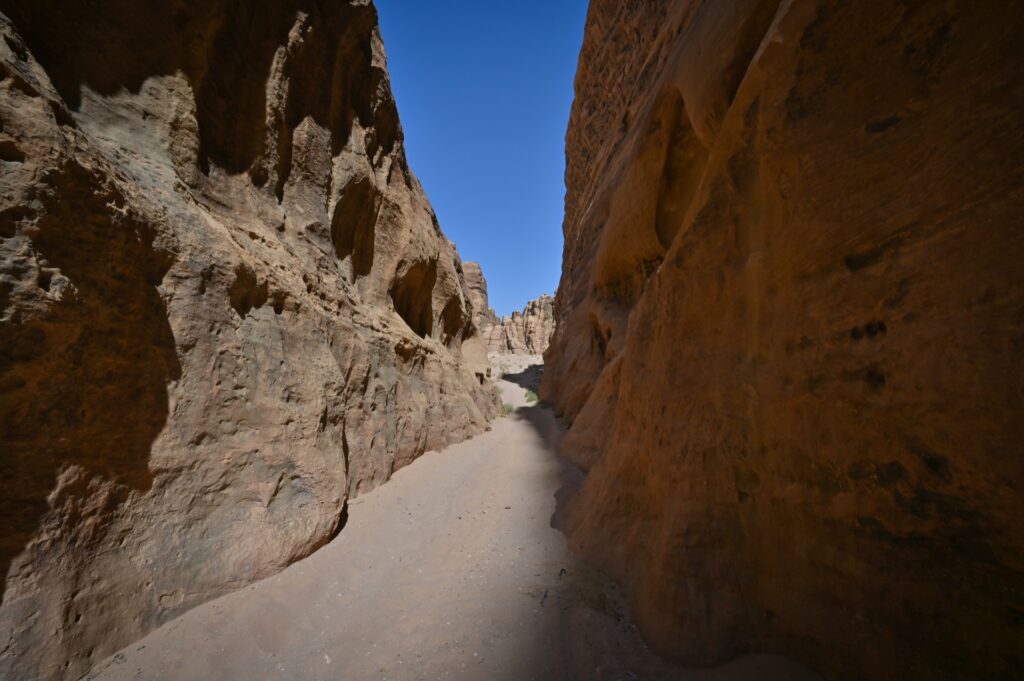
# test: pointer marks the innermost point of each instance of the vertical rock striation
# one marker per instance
(789, 323)
(226, 306)
(476, 284)
(522, 333)
(526, 332)
(474, 346)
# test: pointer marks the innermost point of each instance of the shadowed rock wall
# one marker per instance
(226, 306)
(789, 326)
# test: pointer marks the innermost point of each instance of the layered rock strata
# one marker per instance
(226, 307)
(789, 326)
(526, 332)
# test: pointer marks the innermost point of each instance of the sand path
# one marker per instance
(450, 571)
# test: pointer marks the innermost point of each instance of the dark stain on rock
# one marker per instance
(858, 261)
(890, 473)
(859, 470)
(871, 375)
(278, 299)
(874, 378)
(884, 124)
(936, 464)
(902, 289)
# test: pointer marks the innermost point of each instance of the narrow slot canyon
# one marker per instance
(668, 340)
(451, 570)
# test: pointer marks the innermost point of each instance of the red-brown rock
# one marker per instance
(789, 329)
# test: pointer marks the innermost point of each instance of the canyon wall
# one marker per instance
(483, 316)
(526, 332)
(474, 345)
(790, 325)
(226, 307)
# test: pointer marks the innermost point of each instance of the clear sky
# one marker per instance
(484, 90)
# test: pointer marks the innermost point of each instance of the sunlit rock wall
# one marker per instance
(524, 332)
(226, 306)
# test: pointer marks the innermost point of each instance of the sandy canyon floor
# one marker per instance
(453, 570)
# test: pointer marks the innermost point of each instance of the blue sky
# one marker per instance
(484, 90)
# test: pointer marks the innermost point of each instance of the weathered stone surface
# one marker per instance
(476, 285)
(474, 344)
(225, 307)
(789, 328)
(522, 333)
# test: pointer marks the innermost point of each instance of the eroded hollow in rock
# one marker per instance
(10, 153)
(412, 294)
(353, 226)
(681, 174)
(247, 293)
(453, 320)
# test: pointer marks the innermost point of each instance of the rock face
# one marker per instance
(522, 333)
(476, 285)
(790, 325)
(474, 346)
(226, 306)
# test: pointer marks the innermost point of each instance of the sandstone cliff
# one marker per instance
(483, 316)
(521, 333)
(226, 306)
(789, 328)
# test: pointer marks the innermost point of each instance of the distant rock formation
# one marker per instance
(483, 316)
(790, 329)
(523, 333)
(226, 307)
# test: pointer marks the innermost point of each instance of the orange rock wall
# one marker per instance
(789, 329)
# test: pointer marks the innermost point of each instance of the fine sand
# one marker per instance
(452, 570)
